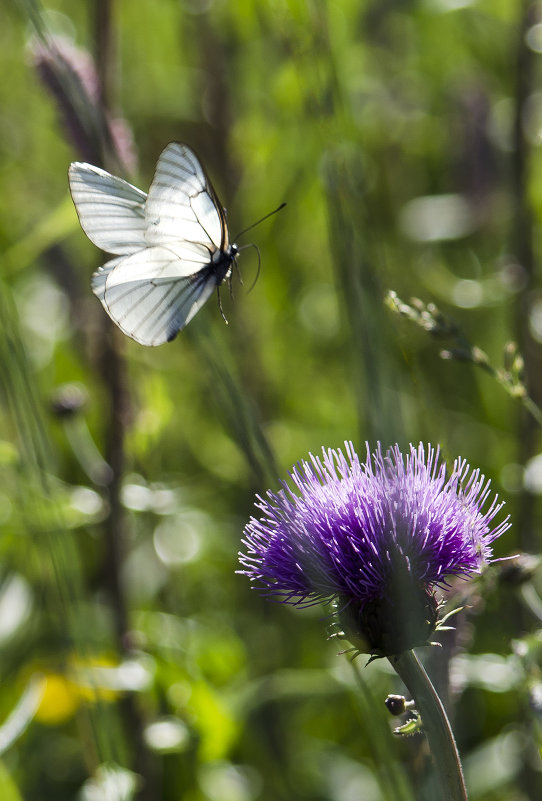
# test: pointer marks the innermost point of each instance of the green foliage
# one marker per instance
(129, 473)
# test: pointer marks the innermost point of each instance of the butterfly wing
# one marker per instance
(182, 204)
(111, 211)
(155, 292)
(172, 244)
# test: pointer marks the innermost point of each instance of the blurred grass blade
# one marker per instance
(392, 777)
(237, 409)
(21, 716)
(49, 231)
(39, 508)
(8, 789)
(362, 296)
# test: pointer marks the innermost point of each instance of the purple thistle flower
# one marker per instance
(378, 538)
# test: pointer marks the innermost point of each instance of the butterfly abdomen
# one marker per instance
(222, 262)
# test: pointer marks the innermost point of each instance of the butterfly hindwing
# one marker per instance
(153, 293)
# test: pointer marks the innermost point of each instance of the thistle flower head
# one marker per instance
(376, 537)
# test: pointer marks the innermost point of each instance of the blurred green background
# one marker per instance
(405, 138)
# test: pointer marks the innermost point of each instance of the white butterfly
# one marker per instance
(172, 246)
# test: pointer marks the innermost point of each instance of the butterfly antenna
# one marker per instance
(257, 249)
(260, 221)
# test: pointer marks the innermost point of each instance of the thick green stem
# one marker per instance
(435, 725)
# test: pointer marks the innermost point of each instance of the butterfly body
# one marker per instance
(171, 247)
(223, 261)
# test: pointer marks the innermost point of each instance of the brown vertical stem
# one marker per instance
(524, 249)
(103, 19)
(113, 371)
(528, 427)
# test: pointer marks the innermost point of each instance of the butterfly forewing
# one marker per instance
(111, 211)
(182, 204)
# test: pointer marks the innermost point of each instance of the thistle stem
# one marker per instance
(435, 724)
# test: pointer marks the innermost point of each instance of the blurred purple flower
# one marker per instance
(377, 538)
(69, 73)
